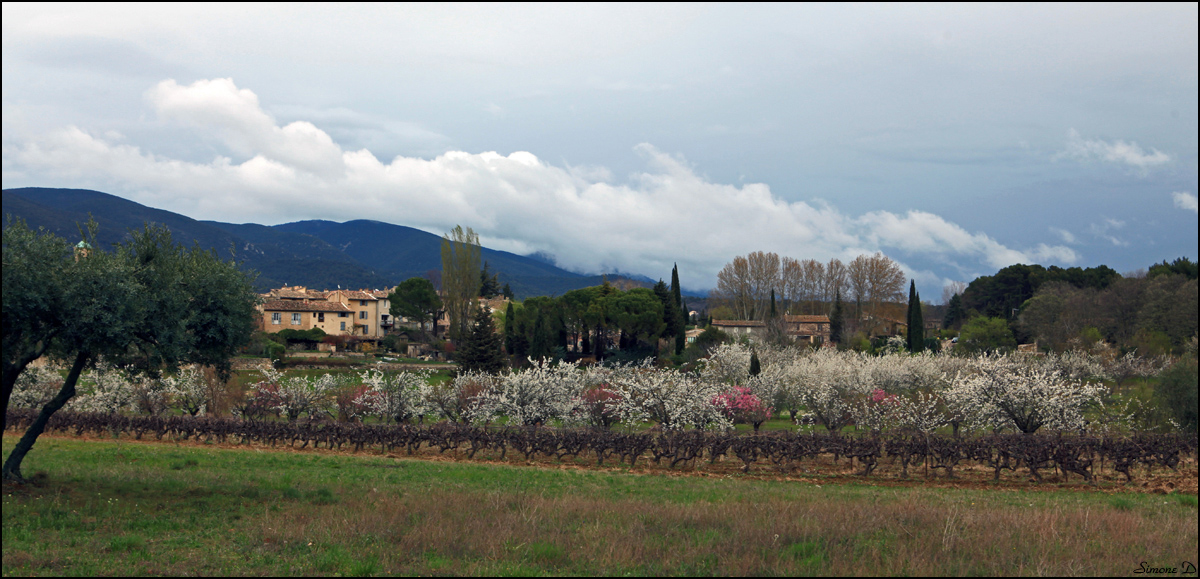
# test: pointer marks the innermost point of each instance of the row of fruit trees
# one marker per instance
(836, 390)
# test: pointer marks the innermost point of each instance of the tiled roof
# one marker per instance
(298, 306)
(358, 295)
(291, 294)
(381, 294)
(739, 323)
(807, 319)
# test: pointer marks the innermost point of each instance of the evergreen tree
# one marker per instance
(482, 350)
(835, 320)
(908, 316)
(489, 283)
(677, 293)
(670, 310)
(507, 291)
(510, 329)
(773, 314)
(755, 366)
(916, 323)
(955, 314)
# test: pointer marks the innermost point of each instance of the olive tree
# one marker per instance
(146, 306)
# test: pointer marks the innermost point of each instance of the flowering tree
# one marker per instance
(456, 399)
(295, 395)
(542, 392)
(727, 364)
(1008, 392)
(598, 405)
(111, 391)
(188, 390)
(672, 399)
(741, 406)
(396, 397)
(35, 387)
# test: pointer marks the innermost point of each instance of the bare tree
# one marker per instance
(814, 281)
(885, 283)
(951, 289)
(736, 288)
(460, 277)
(836, 281)
(764, 278)
(791, 273)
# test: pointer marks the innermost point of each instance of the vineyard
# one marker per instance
(777, 452)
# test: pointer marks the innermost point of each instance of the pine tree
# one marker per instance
(835, 320)
(482, 350)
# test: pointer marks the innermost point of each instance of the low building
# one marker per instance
(807, 329)
(752, 328)
(361, 313)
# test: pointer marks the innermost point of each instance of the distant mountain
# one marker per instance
(318, 254)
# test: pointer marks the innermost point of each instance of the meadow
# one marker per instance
(103, 507)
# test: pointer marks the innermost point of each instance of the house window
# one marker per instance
(342, 315)
(362, 303)
(321, 316)
(295, 319)
(275, 318)
(343, 326)
(362, 315)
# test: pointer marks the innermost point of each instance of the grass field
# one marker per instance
(105, 508)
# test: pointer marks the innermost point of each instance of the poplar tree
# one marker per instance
(460, 277)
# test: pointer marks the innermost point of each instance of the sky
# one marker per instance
(957, 140)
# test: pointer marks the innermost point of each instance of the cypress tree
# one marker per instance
(835, 320)
(755, 366)
(677, 294)
(917, 329)
(772, 304)
(908, 317)
(510, 329)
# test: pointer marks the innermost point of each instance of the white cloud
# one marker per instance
(1117, 151)
(665, 214)
(1185, 201)
(1104, 231)
(1066, 236)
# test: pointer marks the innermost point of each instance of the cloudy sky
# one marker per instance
(957, 140)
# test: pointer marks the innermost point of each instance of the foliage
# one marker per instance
(147, 306)
(483, 349)
(983, 334)
(416, 300)
(1177, 392)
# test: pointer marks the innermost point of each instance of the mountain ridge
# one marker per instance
(313, 253)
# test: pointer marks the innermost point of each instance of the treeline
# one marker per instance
(749, 285)
(1153, 312)
(595, 321)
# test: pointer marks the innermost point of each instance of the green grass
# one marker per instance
(120, 508)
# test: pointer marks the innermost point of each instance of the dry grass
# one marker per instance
(105, 508)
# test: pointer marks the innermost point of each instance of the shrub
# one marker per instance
(1177, 393)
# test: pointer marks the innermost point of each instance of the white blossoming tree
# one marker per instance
(1011, 393)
